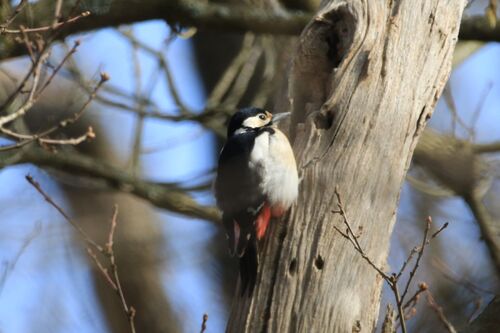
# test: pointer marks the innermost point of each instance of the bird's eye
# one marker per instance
(262, 116)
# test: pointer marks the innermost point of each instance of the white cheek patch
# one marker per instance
(255, 122)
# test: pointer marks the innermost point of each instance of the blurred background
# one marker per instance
(159, 123)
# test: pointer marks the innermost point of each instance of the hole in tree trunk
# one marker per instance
(292, 269)
(339, 35)
(322, 50)
(319, 262)
(324, 120)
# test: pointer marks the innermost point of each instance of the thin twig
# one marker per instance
(111, 235)
(165, 66)
(11, 265)
(47, 198)
(58, 68)
(399, 301)
(477, 111)
(129, 310)
(139, 125)
(452, 108)
(13, 16)
(41, 137)
(406, 262)
(106, 250)
(39, 50)
(414, 299)
(48, 27)
(102, 269)
(28, 138)
(57, 13)
(393, 279)
(352, 237)
(204, 323)
(30, 100)
(439, 311)
(428, 222)
(8, 101)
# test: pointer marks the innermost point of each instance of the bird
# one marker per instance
(256, 180)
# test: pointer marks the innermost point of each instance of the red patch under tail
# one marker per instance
(277, 211)
(262, 221)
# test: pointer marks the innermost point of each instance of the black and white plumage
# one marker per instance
(256, 180)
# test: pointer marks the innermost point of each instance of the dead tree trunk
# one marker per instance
(365, 78)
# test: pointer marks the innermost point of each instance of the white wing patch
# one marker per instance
(272, 155)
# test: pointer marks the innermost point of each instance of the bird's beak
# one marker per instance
(277, 118)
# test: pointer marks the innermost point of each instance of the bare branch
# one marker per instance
(168, 196)
(477, 28)
(481, 148)
(487, 225)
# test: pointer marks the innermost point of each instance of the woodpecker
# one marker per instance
(256, 180)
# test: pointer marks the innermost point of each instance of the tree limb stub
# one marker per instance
(365, 79)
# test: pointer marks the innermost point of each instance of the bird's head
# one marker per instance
(248, 119)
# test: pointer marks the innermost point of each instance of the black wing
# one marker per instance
(238, 195)
(237, 185)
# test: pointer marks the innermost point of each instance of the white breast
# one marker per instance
(273, 156)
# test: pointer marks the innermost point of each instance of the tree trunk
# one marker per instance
(365, 78)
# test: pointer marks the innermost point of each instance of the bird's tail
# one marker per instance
(249, 264)
(244, 230)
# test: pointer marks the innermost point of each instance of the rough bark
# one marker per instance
(365, 79)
